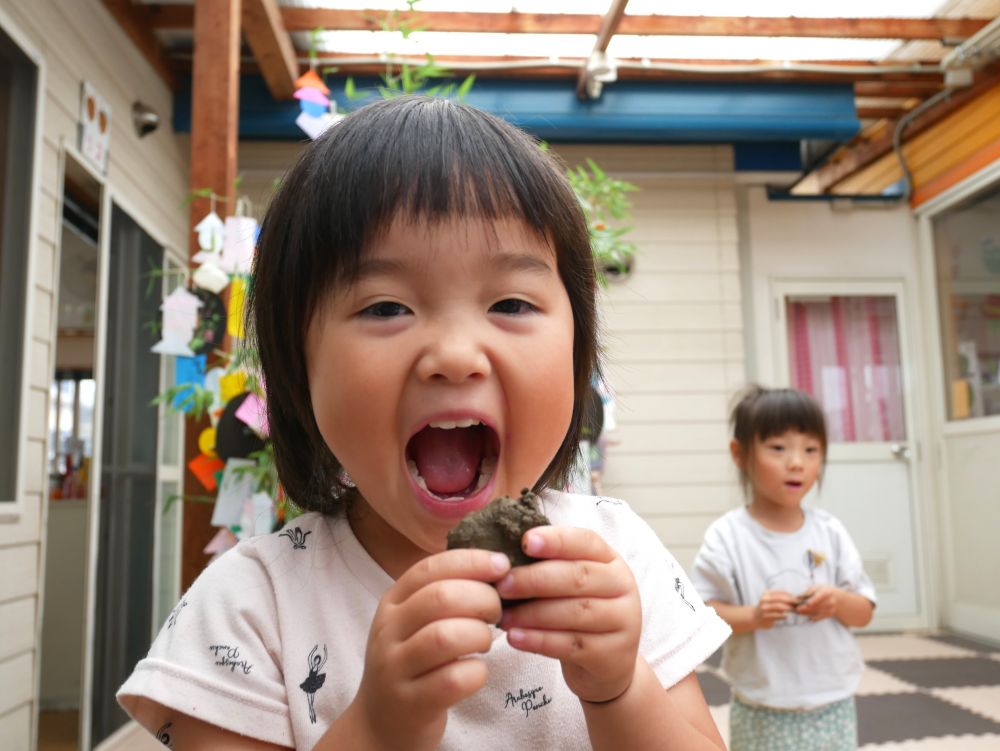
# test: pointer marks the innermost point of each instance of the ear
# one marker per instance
(737, 453)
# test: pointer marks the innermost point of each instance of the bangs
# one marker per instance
(467, 164)
(775, 411)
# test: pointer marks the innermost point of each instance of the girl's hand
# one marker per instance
(583, 610)
(436, 613)
(774, 605)
(820, 602)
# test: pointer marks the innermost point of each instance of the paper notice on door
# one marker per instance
(960, 402)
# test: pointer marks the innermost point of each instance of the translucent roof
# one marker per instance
(628, 46)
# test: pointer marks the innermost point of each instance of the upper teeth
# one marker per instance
(451, 424)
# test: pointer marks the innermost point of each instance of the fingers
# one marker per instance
(466, 563)
(581, 614)
(560, 578)
(451, 598)
(569, 646)
(572, 543)
(444, 641)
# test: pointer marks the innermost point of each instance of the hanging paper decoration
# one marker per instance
(237, 299)
(211, 233)
(211, 277)
(206, 443)
(204, 468)
(253, 412)
(223, 541)
(238, 245)
(213, 384)
(187, 370)
(232, 385)
(180, 316)
(235, 488)
(318, 111)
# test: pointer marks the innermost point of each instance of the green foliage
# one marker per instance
(197, 399)
(402, 77)
(606, 204)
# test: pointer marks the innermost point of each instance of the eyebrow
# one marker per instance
(502, 261)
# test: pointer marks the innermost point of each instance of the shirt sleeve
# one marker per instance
(679, 631)
(850, 571)
(713, 573)
(217, 657)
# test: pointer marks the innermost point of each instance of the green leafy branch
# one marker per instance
(605, 204)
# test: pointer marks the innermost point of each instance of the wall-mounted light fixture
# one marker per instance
(144, 118)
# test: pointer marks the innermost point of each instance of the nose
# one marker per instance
(796, 459)
(454, 354)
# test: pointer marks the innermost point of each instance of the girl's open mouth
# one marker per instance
(453, 459)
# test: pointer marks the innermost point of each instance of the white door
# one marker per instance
(844, 343)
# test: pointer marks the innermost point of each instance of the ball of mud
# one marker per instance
(500, 526)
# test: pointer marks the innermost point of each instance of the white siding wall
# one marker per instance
(78, 41)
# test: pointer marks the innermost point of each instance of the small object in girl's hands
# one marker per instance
(500, 526)
(802, 600)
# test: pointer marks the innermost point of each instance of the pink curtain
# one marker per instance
(845, 352)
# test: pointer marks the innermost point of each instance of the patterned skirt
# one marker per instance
(833, 727)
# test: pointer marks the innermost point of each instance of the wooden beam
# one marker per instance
(859, 154)
(271, 46)
(463, 64)
(896, 89)
(609, 23)
(305, 19)
(135, 21)
(881, 113)
(214, 120)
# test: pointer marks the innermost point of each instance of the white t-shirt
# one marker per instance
(798, 664)
(269, 642)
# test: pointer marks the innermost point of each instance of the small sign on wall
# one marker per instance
(95, 127)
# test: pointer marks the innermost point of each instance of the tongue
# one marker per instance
(448, 460)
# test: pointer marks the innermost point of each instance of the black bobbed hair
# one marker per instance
(413, 158)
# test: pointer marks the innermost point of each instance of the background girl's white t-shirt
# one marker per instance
(270, 640)
(797, 664)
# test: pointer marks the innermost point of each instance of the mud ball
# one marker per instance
(234, 439)
(500, 527)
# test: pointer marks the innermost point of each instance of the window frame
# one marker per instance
(12, 508)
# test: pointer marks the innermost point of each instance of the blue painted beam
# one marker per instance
(627, 112)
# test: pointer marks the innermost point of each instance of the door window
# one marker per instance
(844, 351)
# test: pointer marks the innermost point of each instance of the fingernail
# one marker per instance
(499, 562)
(533, 544)
(504, 584)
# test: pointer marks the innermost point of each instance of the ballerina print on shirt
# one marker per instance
(314, 682)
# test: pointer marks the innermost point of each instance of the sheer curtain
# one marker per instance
(845, 352)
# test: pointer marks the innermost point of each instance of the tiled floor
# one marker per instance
(918, 693)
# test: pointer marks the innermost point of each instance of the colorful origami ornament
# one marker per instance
(318, 111)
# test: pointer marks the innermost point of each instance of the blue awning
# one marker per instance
(627, 112)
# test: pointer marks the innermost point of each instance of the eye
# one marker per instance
(385, 309)
(512, 307)
(812, 449)
(776, 446)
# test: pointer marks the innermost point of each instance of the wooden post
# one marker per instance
(215, 100)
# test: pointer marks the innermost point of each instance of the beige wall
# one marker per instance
(76, 41)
